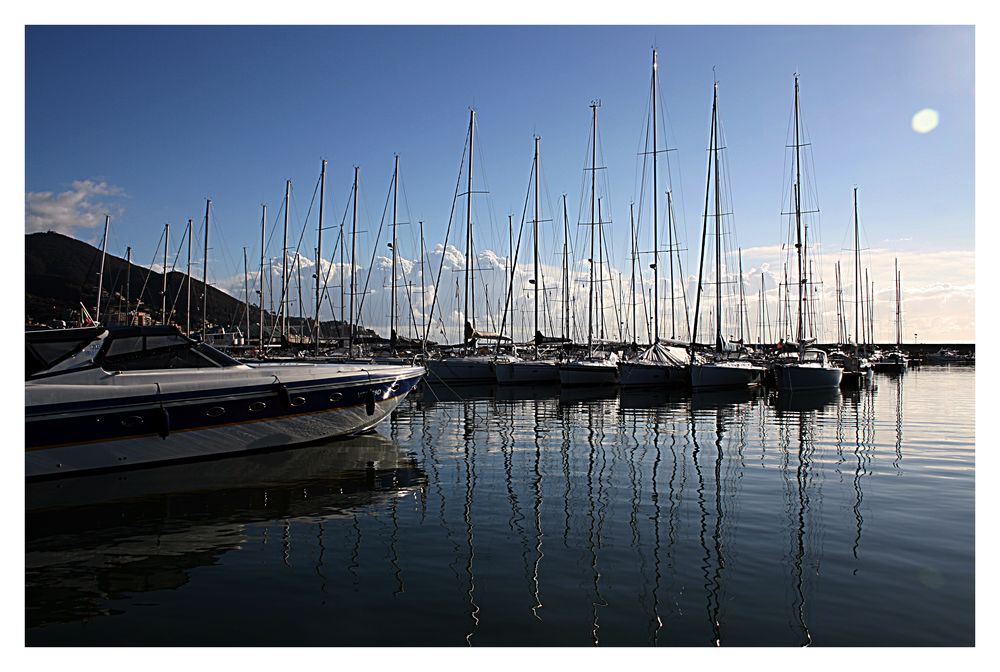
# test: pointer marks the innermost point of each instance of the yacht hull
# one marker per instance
(651, 374)
(124, 430)
(461, 370)
(725, 376)
(793, 378)
(581, 373)
(512, 373)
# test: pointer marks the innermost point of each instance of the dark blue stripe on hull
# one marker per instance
(270, 403)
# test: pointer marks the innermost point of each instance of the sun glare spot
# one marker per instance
(925, 121)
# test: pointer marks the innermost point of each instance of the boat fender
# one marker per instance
(370, 402)
(162, 422)
(283, 394)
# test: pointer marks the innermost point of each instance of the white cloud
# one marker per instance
(70, 210)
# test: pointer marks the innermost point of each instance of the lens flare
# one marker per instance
(925, 121)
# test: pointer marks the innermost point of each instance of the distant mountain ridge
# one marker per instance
(62, 272)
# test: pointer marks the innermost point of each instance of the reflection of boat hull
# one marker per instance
(461, 370)
(800, 377)
(576, 394)
(707, 398)
(638, 374)
(588, 373)
(723, 375)
(857, 378)
(512, 373)
(118, 431)
(807, 400)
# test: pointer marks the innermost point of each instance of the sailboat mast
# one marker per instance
(635, 323)
(535, 243)
(704, 229)
(128, 284)
(283, 308)
(204, 275)
(742, 311)
(246, 296)
(100, 276)
(566, 330)
(593, 224)
(798, 220)
(656, 251)
(354, 230)
(187, 311)
(857, 274)
(163, 291)
(600, 267)
(468, 225)
(718, 224)
(260, 278)
(392, 291)
(423, 289)
(319, 255)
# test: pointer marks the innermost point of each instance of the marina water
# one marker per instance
(502, 516)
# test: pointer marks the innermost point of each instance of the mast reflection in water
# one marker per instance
(538, 517)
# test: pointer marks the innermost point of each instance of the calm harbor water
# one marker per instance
(492, 516)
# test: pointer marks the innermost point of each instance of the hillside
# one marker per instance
(61, 272)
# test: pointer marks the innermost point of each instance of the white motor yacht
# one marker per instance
(100, 398)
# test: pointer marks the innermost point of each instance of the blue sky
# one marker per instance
(169, 116)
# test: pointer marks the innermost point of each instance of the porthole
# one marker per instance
(336, 396)
(258, 406)
(296, 401)
(215, 411)
(132, 421)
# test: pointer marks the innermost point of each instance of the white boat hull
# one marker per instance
(799, 377)
(511, 373)
(725, 375)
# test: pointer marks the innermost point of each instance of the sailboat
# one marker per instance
(467, 366)
(811, 369)
(858, 370)
(660, 363)
(722, 370)
(596, 368)
(896, 361)
(536, 369)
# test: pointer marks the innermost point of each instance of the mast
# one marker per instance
(593, 223)
(100, 276)
(718, 225)
(635, 324)
(354, 230)
(656, 251)
(704, 227)
(798, 221)
(263, 232)
(204, 275)
(566, 330)
(319, 256)
(857, 275)
(423, 289)
(283, 308)
(246, 295)
(742, 311)
(187, 318)
(163, 291)
(392, 309)
(128, 285)
(468, 230)
(298, 270)
(600, 268)
(535, 231)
